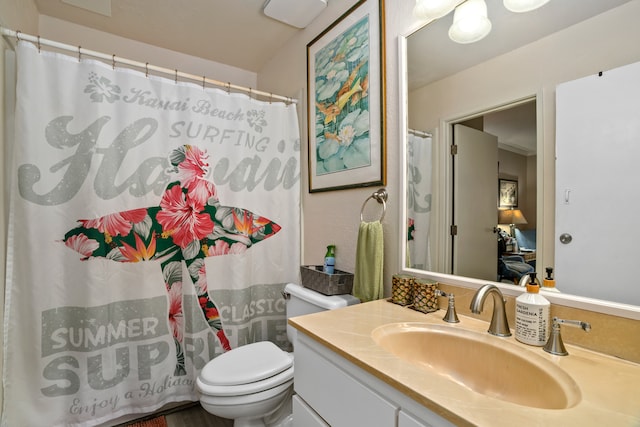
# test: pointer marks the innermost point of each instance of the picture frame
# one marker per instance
(507, 193)
(346, 101)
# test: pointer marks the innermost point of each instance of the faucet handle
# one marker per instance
(451, 316)
(554, 344)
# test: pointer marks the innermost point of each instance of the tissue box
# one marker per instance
(340, 282)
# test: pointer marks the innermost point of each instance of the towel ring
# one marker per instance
(381, 197)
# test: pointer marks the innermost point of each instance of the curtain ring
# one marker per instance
(228, 87)
(176, 78)
(79, 53)
(18, 35)
(270, 97)
(113, 61)
(250, 93)
(146, 69)
(203, 79)
(39, 47)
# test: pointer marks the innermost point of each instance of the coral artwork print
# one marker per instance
(188, 225)
(342, 101)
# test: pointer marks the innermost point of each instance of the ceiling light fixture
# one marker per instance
(470, 22)
(433, 9)
(519, 6)
(103, 7)
(297, 13)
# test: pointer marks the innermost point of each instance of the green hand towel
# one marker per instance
(367, 279)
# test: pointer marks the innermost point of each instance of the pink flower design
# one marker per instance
(194, 165)
(188, 212)
(176, 317)
(191, 175)
(201, 284)
(116, 224)
(222, 248)
(182, 217)
(82, 244)
(201, 190)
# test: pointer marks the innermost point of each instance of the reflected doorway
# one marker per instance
(476, 249)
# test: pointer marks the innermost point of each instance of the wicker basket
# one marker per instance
(338, 283)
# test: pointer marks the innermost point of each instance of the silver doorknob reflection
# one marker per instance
(565, 238)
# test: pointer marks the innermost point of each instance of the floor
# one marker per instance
(190, 416)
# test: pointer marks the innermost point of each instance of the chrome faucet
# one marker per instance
(499, 324)
(555, 345)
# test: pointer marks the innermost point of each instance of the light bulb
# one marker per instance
(433, 9)
(470, 22)
(520, 6)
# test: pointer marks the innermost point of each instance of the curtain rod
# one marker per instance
(18, 35)
(420, 133)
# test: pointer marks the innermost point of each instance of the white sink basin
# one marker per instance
(483, 363)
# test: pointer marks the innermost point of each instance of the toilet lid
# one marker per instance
(246, 364)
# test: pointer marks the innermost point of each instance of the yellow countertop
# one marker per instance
(610, 387)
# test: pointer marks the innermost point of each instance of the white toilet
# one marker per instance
(253, 384)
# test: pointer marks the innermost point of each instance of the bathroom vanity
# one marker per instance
(344, 376)
(332, 391)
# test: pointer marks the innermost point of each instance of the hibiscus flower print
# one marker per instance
(116, 224)
(101, 88)
(176, 317)
(223, 248)
(186, 226)
(82, 244)
(182, 217)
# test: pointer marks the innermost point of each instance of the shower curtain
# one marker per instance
(419, 191)
(153, 225)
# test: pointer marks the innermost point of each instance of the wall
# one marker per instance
(517, 167)
(333, 217)
(73, 34)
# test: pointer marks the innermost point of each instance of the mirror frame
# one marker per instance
(442, 133)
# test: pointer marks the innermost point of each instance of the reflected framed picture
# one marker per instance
(507, 193)
(345, 99)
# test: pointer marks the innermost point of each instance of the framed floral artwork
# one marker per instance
(345, 83)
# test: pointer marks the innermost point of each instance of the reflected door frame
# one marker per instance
(442, 211)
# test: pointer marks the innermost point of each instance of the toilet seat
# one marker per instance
(249, 369)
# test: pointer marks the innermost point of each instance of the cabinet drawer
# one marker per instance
(342, 400)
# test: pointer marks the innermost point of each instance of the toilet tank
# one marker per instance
(301, 301)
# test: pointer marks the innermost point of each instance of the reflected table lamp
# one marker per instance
(511, 217)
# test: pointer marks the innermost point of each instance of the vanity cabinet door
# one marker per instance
(340, 399)
(305, 416)
(406, 420)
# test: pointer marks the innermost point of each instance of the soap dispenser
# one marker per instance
(549, 283)
(532, 315)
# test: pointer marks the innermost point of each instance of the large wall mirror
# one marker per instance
(479, 126)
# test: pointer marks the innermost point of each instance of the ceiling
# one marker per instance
(232, 32)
